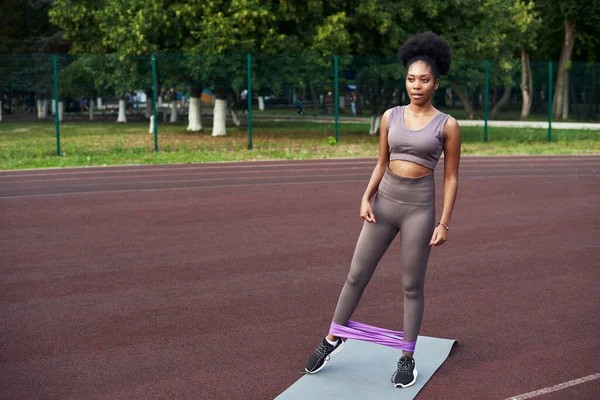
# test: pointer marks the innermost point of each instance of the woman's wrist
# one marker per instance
(447, 226)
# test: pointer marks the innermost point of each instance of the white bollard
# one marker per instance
(53, 110)
(151, 130)
(61, 110)
(261, 103)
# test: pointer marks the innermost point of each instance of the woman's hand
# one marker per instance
(366, 212)
(440, 235)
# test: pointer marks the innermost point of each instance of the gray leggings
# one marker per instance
(401, 205)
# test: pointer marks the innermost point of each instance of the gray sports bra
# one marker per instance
(423, 146)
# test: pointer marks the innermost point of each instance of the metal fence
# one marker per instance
(214, 93)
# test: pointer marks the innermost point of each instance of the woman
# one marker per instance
(412, 139)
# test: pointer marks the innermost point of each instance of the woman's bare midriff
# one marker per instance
(409, 169)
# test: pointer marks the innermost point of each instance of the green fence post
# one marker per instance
(487, 89)
(336, 99)
(549, 101)
(57, 119)
(154, 100)
(249, 64)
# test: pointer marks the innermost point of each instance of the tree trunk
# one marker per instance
(173, 106)
(560, 103)
(149, 111)
(195, 115)
(590, 97)
(379, 103)
(149, 107)
(99, 103)
(261, 103)
(45, 108)
(122, 116)
(61, 110)
(40, 108)
(526, 84)
(91, 109)
(222, 90)
(501, 103)
(151, 127)
(235, 116)
(219, 118)
(315, 98)
(375, 121)
(464, 100)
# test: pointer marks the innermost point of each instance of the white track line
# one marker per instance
(502, 160)
(200, 175)
(197, 171)
(357, 173)
(555, 388)
(256, 184)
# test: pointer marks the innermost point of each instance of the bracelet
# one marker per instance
(447, 227)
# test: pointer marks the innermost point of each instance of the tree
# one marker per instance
(579, 20)
(26, 29)
(477, 30)
(213, 29)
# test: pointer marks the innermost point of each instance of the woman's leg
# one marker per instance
(416, 229)
(373, 241)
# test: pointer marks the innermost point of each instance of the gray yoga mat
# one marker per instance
(363, 370)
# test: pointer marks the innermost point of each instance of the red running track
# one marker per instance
(216, 281)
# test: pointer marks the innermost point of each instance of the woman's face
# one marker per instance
(420, 83)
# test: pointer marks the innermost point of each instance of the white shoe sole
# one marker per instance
(334, 352)
(415, 373)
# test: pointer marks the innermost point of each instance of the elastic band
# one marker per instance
(373, 334)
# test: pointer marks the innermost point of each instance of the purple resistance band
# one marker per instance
(373, 334)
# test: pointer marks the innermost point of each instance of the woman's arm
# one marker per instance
(382, 159)
(451, 162)
(366, 211)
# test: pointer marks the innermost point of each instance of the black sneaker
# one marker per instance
(321, 356)
(406, 375)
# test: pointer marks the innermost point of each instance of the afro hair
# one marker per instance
(426, 46)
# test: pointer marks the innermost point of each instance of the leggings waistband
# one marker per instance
(415, 191)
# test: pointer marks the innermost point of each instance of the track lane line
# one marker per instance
(175, 173)
(502, 160)
(31, 185)
(555, 388)
(364, 181)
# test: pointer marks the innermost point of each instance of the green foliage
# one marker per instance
(25, 28)
(586, 16)
(293, 41)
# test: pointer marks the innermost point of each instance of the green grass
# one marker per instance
(33, 145)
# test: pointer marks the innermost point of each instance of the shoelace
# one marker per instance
(404, 364)
(322, 351)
